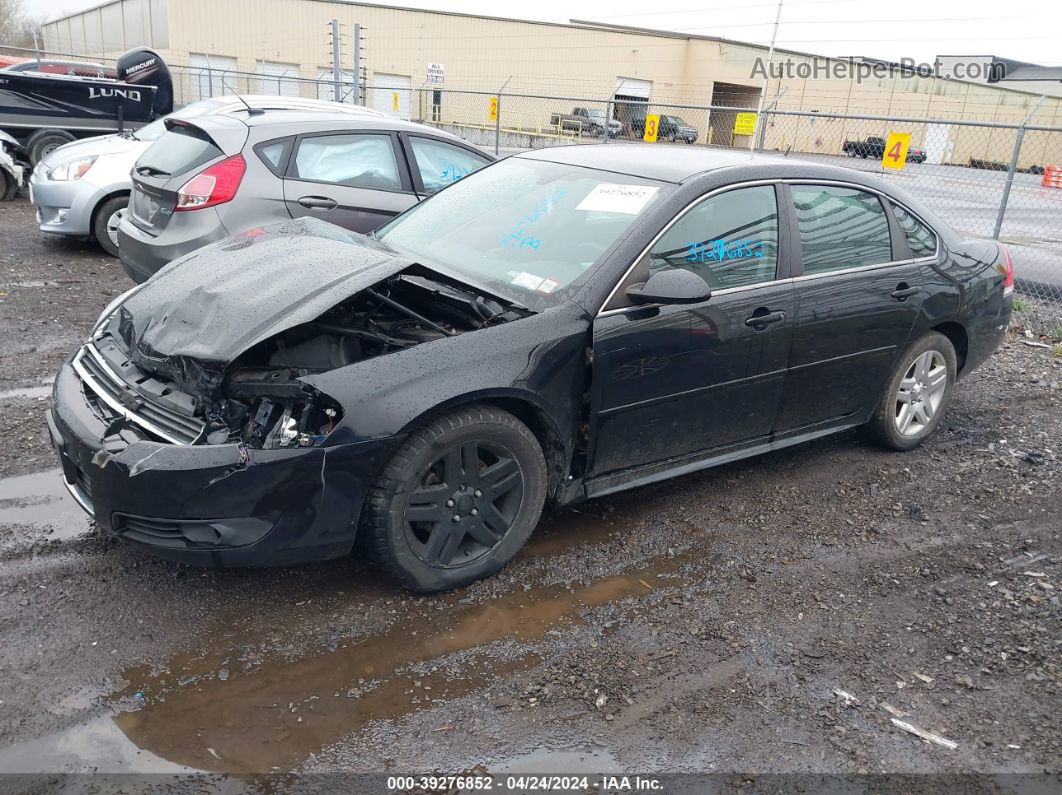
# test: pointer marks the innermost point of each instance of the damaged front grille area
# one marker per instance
(121, 398)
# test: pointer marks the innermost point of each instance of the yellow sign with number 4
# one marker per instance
(652, 127)
(895, 154)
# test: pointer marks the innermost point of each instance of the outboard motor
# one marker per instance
(143, 66)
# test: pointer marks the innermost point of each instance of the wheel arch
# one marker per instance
(959, 338)
(102, 200)
(527, 408)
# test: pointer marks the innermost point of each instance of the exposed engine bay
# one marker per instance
(263, 404)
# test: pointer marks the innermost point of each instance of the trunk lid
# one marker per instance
(185, 149)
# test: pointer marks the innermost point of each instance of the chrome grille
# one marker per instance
(120, 397)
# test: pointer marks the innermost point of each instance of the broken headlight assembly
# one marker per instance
(271, 409)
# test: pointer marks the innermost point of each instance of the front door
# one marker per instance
(858, 296)
(669, 381)
(354, 180)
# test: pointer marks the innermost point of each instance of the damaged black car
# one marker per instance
(561, 325)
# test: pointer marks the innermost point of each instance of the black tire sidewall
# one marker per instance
(404, 471)
(99, 222)
(883, 425)
(37, 144)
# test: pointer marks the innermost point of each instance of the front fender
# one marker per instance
(539, 359)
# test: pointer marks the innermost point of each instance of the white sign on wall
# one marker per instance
(436, 73)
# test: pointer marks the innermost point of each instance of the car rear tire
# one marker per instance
(43, 143)
(457, 500)
(917, 394)
(105, 223)
(8, 187)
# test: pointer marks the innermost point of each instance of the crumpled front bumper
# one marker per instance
(214, 505)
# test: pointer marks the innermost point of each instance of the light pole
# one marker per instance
(767, 75)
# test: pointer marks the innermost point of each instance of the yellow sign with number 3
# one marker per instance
(895, 154)
(652, 127)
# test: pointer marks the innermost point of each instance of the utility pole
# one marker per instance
(357, 64)
(337, 66)
(767, 76)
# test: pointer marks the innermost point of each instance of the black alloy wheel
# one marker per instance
(458, 499)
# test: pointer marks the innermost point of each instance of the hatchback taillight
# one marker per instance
(1006, 267)
(212, 186)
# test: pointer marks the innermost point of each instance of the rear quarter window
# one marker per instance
(178, 150)
(920, 238)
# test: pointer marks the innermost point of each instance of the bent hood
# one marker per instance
(215, 303)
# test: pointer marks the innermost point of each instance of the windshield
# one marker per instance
(596, 114)
(525, 229)
(149, 132)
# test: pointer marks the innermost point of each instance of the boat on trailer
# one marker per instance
(44, 111)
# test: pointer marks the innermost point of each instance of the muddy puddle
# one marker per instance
(41, 500)
(273, 717)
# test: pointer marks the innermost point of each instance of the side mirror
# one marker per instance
(671, 286)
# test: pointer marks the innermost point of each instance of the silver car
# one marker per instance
(81, 189)
(219, 175)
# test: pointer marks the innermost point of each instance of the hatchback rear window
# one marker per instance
(179, 149)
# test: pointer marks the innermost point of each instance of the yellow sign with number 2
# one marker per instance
(895, 154)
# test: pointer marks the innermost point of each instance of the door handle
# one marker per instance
(761, 321)
(318, 202)
(903, 292)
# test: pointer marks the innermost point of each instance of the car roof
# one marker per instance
(303, 120)
(271, 102)
(653, 161)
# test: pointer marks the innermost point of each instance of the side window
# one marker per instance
(352, 160)
(840, 228)
(920, 237)
(729, 240)
(441, 163)
(272, 154)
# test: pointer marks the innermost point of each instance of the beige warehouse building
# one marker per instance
(271, 46)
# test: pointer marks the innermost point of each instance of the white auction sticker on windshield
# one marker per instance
(610, 197)
(526, 280)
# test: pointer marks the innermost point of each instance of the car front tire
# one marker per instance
(457, 500)
(105, 223)
(917, 394)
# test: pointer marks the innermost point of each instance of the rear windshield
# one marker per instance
(178, 150)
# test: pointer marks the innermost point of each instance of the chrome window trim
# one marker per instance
(90, 381)
(602, 312)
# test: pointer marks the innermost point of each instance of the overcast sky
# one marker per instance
(1029, 30)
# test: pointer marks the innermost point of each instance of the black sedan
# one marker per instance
(561, 325)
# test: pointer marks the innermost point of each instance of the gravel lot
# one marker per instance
(774, 615)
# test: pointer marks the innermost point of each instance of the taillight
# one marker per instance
(215, 185)
(1007, 269)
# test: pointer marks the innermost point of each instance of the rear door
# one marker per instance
(185, 149)
(859, 293)
(357, 180)
(436, 163)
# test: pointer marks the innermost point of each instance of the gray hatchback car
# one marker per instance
(213, 176)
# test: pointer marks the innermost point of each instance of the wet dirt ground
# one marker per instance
(775, 615)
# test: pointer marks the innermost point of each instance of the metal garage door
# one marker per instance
(632, 87)
(208, 76)
(390, 94)
(277, 79)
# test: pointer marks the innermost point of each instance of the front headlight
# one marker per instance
(71, 169)
(112, 307)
